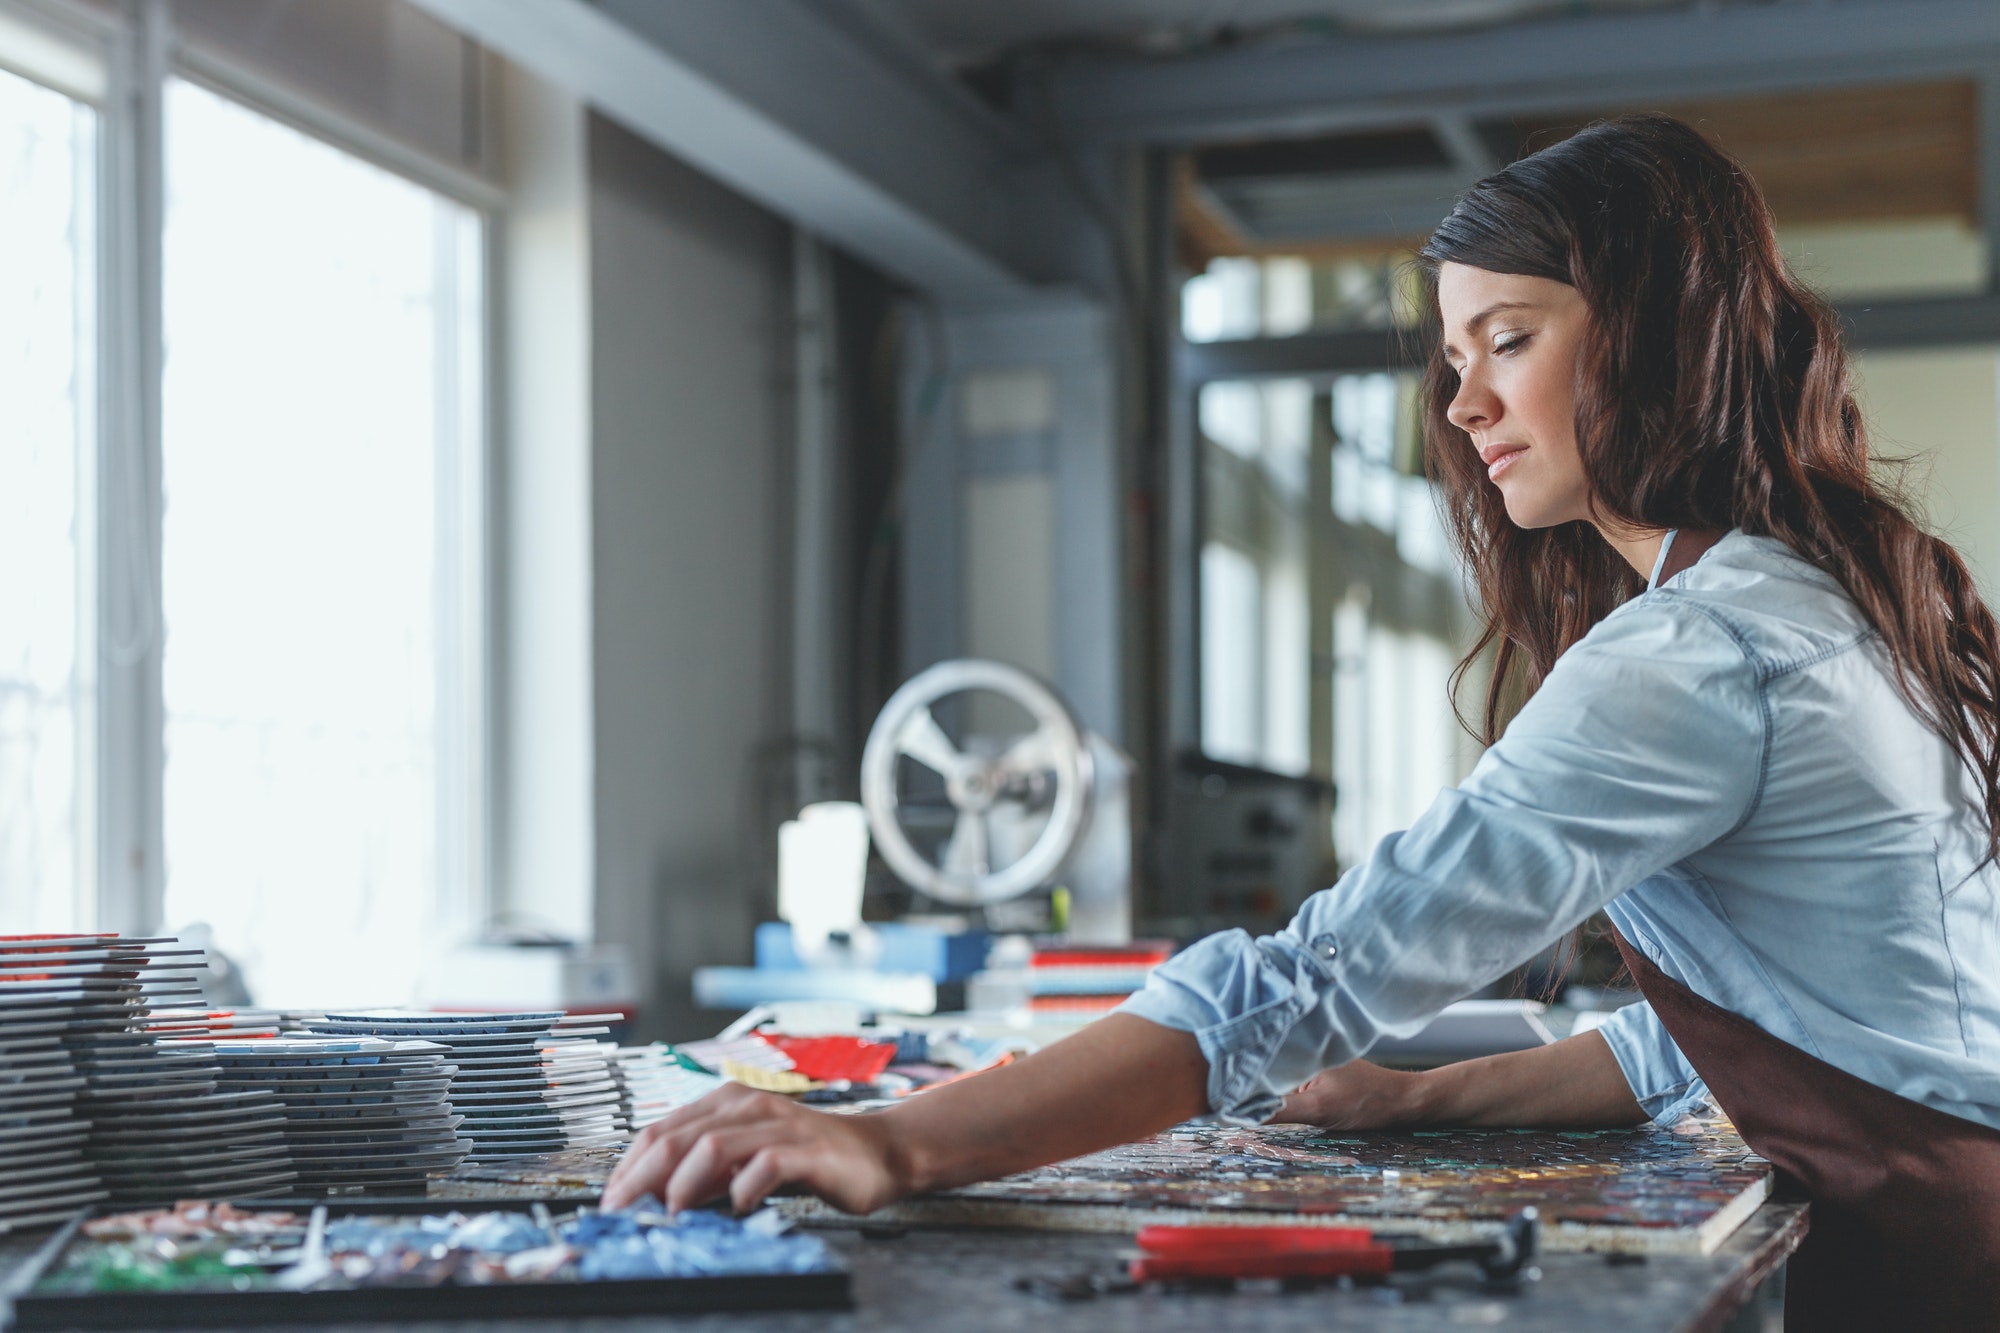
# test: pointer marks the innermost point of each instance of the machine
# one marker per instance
(1022, 824)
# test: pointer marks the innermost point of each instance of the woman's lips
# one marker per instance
(1502, 460)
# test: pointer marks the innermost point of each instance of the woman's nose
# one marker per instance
(1473, 406)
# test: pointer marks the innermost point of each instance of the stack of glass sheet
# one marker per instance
(526, 1083)
(159, 1126)
(360, 1113)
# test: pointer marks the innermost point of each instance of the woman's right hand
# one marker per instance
(746, 1144)
(1119, 1079)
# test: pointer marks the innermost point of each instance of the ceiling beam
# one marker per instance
(800, 112)
(1583, 62)
(1316, 355)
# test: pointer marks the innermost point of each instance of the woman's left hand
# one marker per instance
(1356, 1095)
(1575, 1082)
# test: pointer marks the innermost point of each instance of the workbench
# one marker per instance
(963, 1280)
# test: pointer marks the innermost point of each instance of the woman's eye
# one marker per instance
(1511, 343)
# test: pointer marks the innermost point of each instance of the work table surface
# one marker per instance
(964, 1280)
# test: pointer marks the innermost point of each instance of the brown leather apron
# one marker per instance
(1905, 1227)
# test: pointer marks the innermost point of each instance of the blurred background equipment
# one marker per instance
(988, 799)
(1008, 811)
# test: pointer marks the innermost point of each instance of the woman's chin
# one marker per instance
(1532, 512)
(1523, 512)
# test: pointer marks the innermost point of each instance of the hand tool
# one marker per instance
(1227, 1253)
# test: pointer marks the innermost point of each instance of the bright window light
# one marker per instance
(1232, 414)
(1231, 609)
(47, 158)
(1395, 741)
(319, 448)
(1287, 661)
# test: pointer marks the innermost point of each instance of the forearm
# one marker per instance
(1575, 1082)
(1117, 1080)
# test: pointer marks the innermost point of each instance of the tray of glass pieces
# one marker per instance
(203, 1265)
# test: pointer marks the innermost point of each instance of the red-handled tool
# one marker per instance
(1219, 1254)
(1186, 1254)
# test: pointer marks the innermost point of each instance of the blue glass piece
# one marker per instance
(500, 1233)
(626, 1256)
(644, 1242)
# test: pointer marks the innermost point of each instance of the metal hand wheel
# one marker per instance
(1009, 785)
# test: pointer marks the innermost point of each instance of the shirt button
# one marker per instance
(1325, 947)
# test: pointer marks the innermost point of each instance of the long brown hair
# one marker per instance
(1713, 392)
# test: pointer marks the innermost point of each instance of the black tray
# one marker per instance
(514, 1300)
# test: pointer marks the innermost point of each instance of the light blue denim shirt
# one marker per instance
(1726, 766)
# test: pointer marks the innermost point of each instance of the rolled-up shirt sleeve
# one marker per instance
(1644, 745)
(1663, 1082)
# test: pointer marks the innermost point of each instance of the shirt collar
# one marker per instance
(1660, 563)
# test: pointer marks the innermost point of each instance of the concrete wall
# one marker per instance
(691, 409)
(1012, 520)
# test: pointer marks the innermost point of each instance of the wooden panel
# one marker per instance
(1825, 156)
(1838, 154)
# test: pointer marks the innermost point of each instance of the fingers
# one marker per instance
(707, 1169)
(1356, 1095)
(639, 1172)
(1306, 1104)
(743, 1145)
(646, 1164)
(768, 1168)
(650, 1162)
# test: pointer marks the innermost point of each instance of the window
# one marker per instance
(1241, 297)
(1256, 653)
(264, 713)
(1395, 742)
(1232, 598)
(320, 430)
(1377, 478)
(47, 607)
(1329, 605)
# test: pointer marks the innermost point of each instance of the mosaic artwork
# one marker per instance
(1681, 1190)
(202, 1247)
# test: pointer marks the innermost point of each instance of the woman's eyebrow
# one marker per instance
(1472, 325)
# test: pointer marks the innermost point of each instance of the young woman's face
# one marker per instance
(1514, 342)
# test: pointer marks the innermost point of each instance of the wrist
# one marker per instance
(1431, 1097)
(911, 1166)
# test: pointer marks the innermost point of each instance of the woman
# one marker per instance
(1759, 731)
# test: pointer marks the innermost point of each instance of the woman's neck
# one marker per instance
(1641, 547)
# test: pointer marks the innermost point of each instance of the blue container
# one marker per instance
(926, 950)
